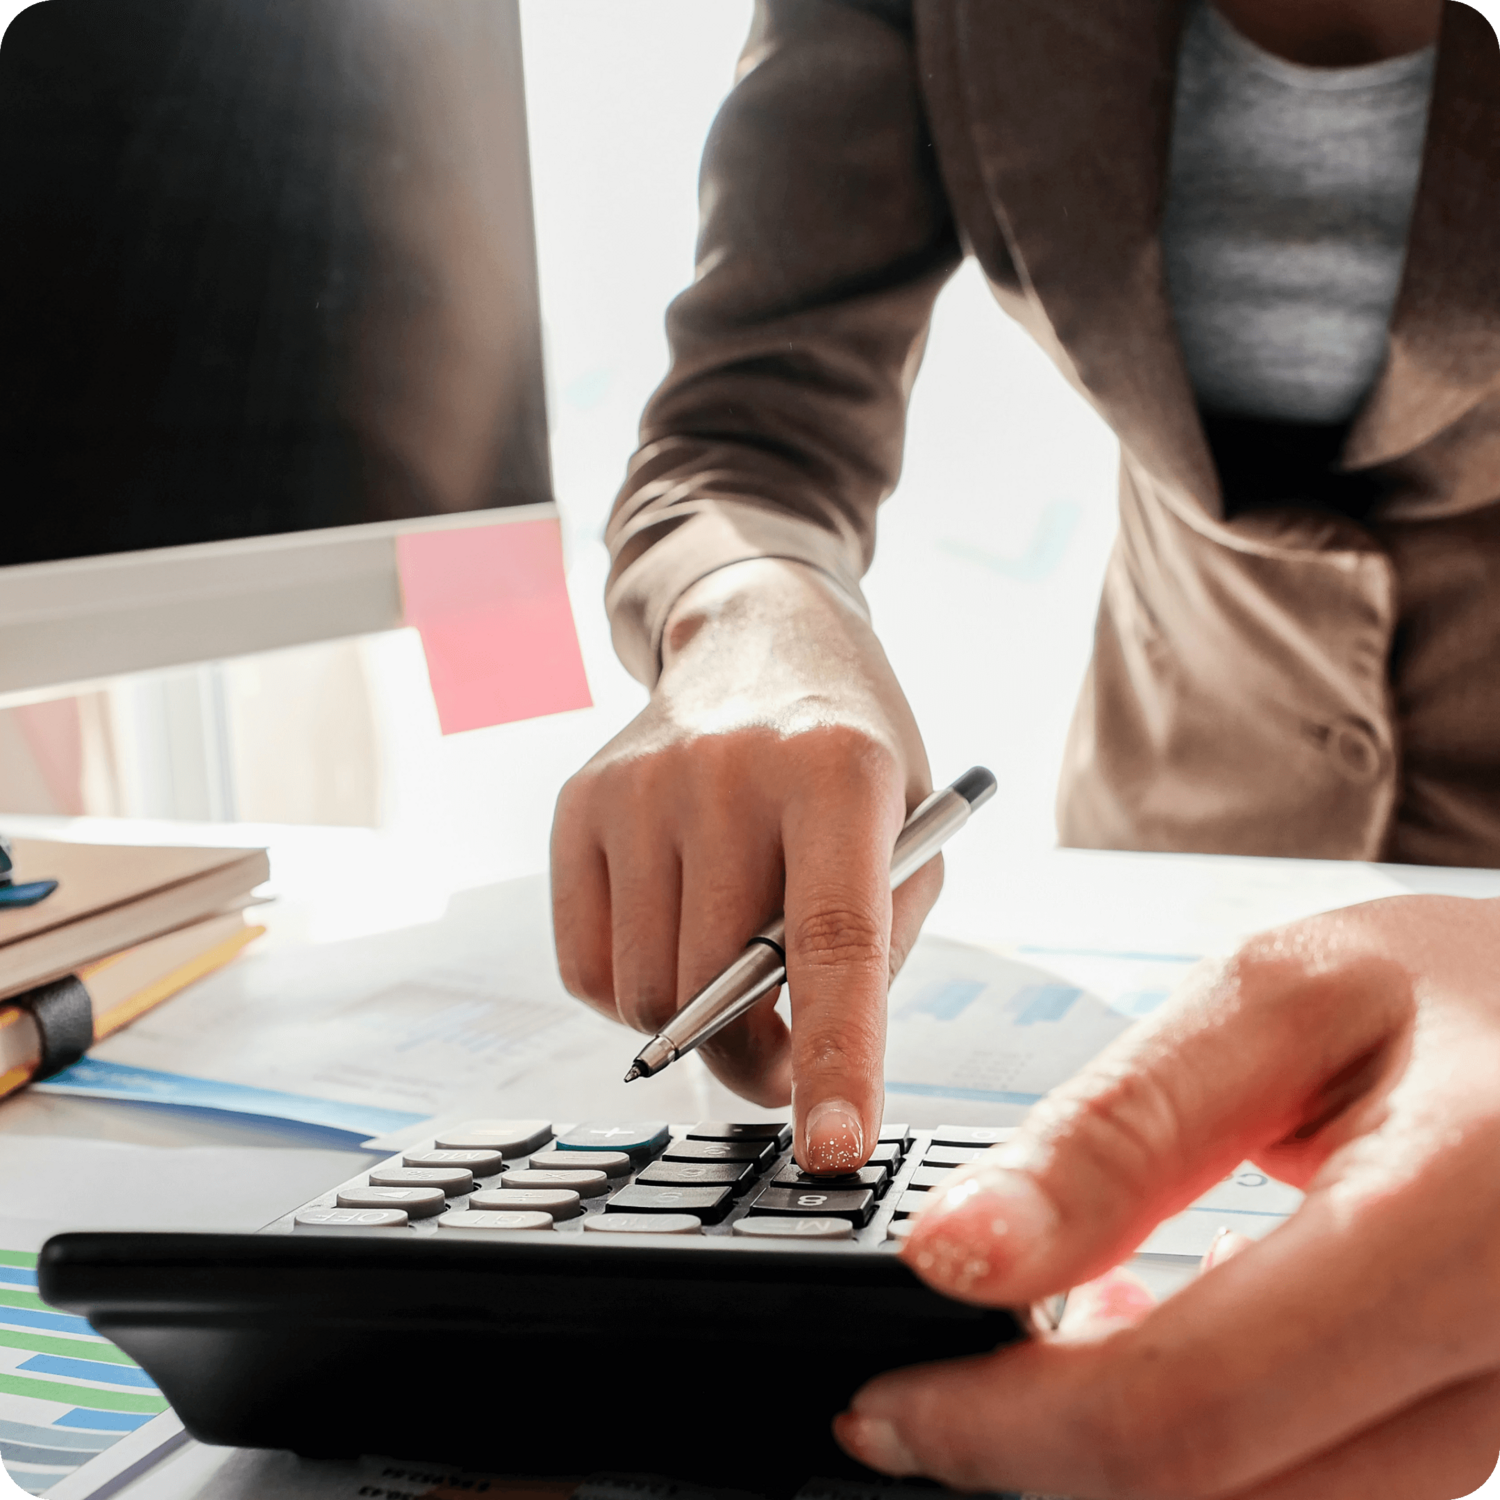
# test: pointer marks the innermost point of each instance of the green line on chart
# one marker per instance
(42, 1343)
(79, 1395)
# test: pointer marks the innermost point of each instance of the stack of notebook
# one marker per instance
(126, 928)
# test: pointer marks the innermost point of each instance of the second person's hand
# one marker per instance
(773, 768)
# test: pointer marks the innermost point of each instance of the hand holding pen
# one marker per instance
(772, 770)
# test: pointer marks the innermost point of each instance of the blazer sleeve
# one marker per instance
(825, 236)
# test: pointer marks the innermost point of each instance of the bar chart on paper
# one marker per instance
(65, 1393)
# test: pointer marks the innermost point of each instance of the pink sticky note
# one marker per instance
(491, 605)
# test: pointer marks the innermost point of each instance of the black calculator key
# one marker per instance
(972, 1135)
(638, 1137)
(952, 1156)
(709, 1204)
(791, 1175)
(764, 1130)
(898, 1135)
(730, 1174)
(743, 1151)
(816, 1203)
(886, 1154)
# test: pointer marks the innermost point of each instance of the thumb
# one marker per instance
(1249, 1055)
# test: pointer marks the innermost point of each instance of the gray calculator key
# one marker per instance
(775, 1131)
(795, 1229)
(899, 1229)
(912, 1203)
(930, 1177)
(468, 1221)
(730, 1174)
(480, 1163)
(585, 1184)
(791, 1175)
(709, 1204)
(417, 1203)
(972, 1135)
(899, 1135)
(559, 1202)
(644, 1223)
(508, 1137)
(638, 1137)
(611, 1163)
(822, 1203)
(952, 1156)
(348, 1220)
(452, 1180)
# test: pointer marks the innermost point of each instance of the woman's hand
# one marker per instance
(1355, 1352)
(775, 764)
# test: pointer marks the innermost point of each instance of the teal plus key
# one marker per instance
(638, 1137)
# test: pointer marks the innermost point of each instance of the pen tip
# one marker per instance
(632, 1075)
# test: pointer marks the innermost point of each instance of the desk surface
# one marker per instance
(339, 932)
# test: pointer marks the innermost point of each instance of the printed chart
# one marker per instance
(65, 1393)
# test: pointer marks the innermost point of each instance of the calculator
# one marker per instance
(549, 1300)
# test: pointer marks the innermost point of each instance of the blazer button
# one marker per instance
(1357, 751)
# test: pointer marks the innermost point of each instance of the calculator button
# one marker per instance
(730, 1174)
(899, 1229)
(911, 1203)
(972, 1135)
(774, 1131)
(897, 1135)
(418, 1203)
(874, 1178)
(508, 1137)
(742, 1151)
(468, 1221)
(886, 1154)
(930, 1177)
(709, 1204)
(585, 1184)
(342, 1220)
(952, 1156)
(795, 1229)
(479, 1163)
(558, 1202)
(639, 1137)
(830, 1203)
(644, 1224)
(611, 1163)
(452, 1180)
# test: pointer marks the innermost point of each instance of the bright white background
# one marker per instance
(983, 588)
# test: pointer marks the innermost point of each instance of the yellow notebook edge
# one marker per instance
(138, 1004)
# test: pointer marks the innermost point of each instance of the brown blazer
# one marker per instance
(1289, 681)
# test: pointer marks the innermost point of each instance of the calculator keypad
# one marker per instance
(713, 1177)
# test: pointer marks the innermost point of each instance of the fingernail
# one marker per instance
(835, 1137)
(1226, 1245)
(979, 1228)
(875, 1442)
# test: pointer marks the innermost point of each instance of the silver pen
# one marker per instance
(762, 966)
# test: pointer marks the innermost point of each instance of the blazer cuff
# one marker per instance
(714, 534)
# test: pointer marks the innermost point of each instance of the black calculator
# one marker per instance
(549, 1300)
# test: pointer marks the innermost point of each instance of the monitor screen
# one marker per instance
(265, 269)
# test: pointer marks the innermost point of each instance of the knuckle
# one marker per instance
(1124, 1121)
(841, 935)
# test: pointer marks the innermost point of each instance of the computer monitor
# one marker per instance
(268, 297)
